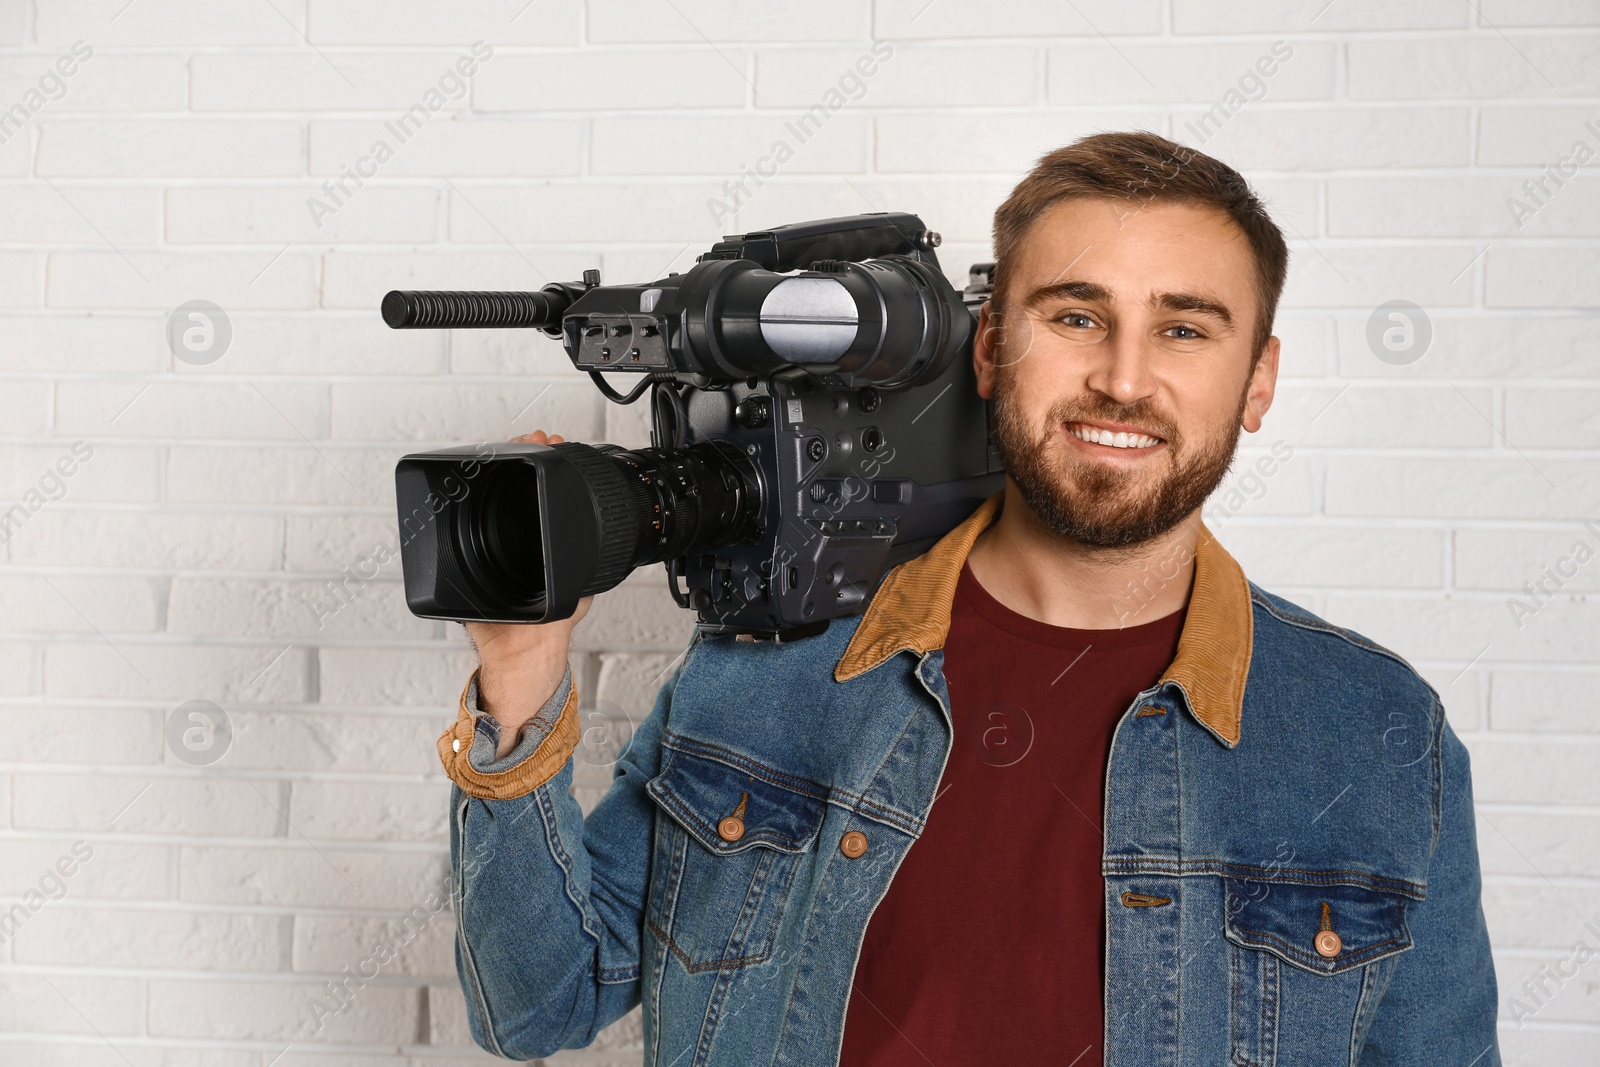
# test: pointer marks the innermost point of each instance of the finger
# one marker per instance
(556, 439)
(537, 437)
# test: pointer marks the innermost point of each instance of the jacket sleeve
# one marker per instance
(548, 904)
(1441, 1001)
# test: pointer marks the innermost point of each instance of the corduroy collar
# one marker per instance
(911, 612)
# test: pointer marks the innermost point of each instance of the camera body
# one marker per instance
(814, 417)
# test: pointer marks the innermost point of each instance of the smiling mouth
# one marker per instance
(1094, 435)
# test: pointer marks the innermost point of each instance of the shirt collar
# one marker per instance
(911, 612)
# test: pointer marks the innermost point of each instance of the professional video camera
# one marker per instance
(814, 422)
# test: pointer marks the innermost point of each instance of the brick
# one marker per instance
(1466, 488)
(1508, 771)
(164, 23)
(75, 214)
(144, 939)
(1299, 16)
(142, 671)
(1533, 135)
(302, 877)
(1092, 74)
(1475, 346)
(414, 677)
(92, 1051)
(276, 214)
(629, 681)
(565, 81)
(1553, 418)
(1458, 207)
(176, 807)
(962, 143)
(81, 604)
(1541, 277)
(294, 474)
(501, 148)
(21, 285)
(71, 1004)
(694, 21)
(160, 281)
(958, 210)
(326, 344)
(160, 540)
(728, 146)
(975, 75)
(19, 669)
(112, 871)
(107, 82)
(310, 610)
(1570, 1002)
(281, 1011)
(153, 409)
(421, 942)
(324, 740)
(1534, 914)
(1551, 844)
(328, 543)
(1475, 67)
(584, 214)
(419, 22)
(1536, 13)
(1460, 629)
(1464, 694)
(25, 407)
(188, 148)
(1029, 19)
(1381, 416)
(84, 343)
(371, 811)
(634, 617)
(100, 735)
(1268, 478)
(1505, 559)
(465, 413)
(520, 353)
(1324, 275)
(1333, 138)
(328, 80)
(1337, 556)
(1543, 702)
(357, 279)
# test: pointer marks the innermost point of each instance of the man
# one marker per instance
(1070, 791)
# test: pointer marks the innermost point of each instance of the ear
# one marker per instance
(985, 341)
(1263, 385)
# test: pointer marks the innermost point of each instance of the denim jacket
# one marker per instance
(1290, 865)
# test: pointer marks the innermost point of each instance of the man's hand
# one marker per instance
(521, 664)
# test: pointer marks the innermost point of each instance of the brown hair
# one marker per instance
(1144, 167)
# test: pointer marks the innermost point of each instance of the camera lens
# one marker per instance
(498, 529)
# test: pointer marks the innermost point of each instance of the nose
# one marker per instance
(1123, 368)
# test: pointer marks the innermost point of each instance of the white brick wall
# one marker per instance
(185, 558)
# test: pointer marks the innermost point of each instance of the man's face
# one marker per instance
(1121, 365)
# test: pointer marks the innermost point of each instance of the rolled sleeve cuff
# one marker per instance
(467, 748)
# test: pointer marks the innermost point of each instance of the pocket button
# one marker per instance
(853, 843)
(1329, 943)
(731, 828)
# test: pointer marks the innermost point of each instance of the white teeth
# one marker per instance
(1114, 440)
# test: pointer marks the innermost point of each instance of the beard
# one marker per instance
(1097, 505)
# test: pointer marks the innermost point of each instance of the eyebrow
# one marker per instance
(1093, 291)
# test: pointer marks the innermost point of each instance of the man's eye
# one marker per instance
(1077, 321)
(1184, 333)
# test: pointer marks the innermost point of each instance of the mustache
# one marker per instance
(1100, 408)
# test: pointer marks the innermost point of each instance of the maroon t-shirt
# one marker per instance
(989, 945)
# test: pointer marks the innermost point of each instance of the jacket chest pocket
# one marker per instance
(1307, 966)
(729, 844)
